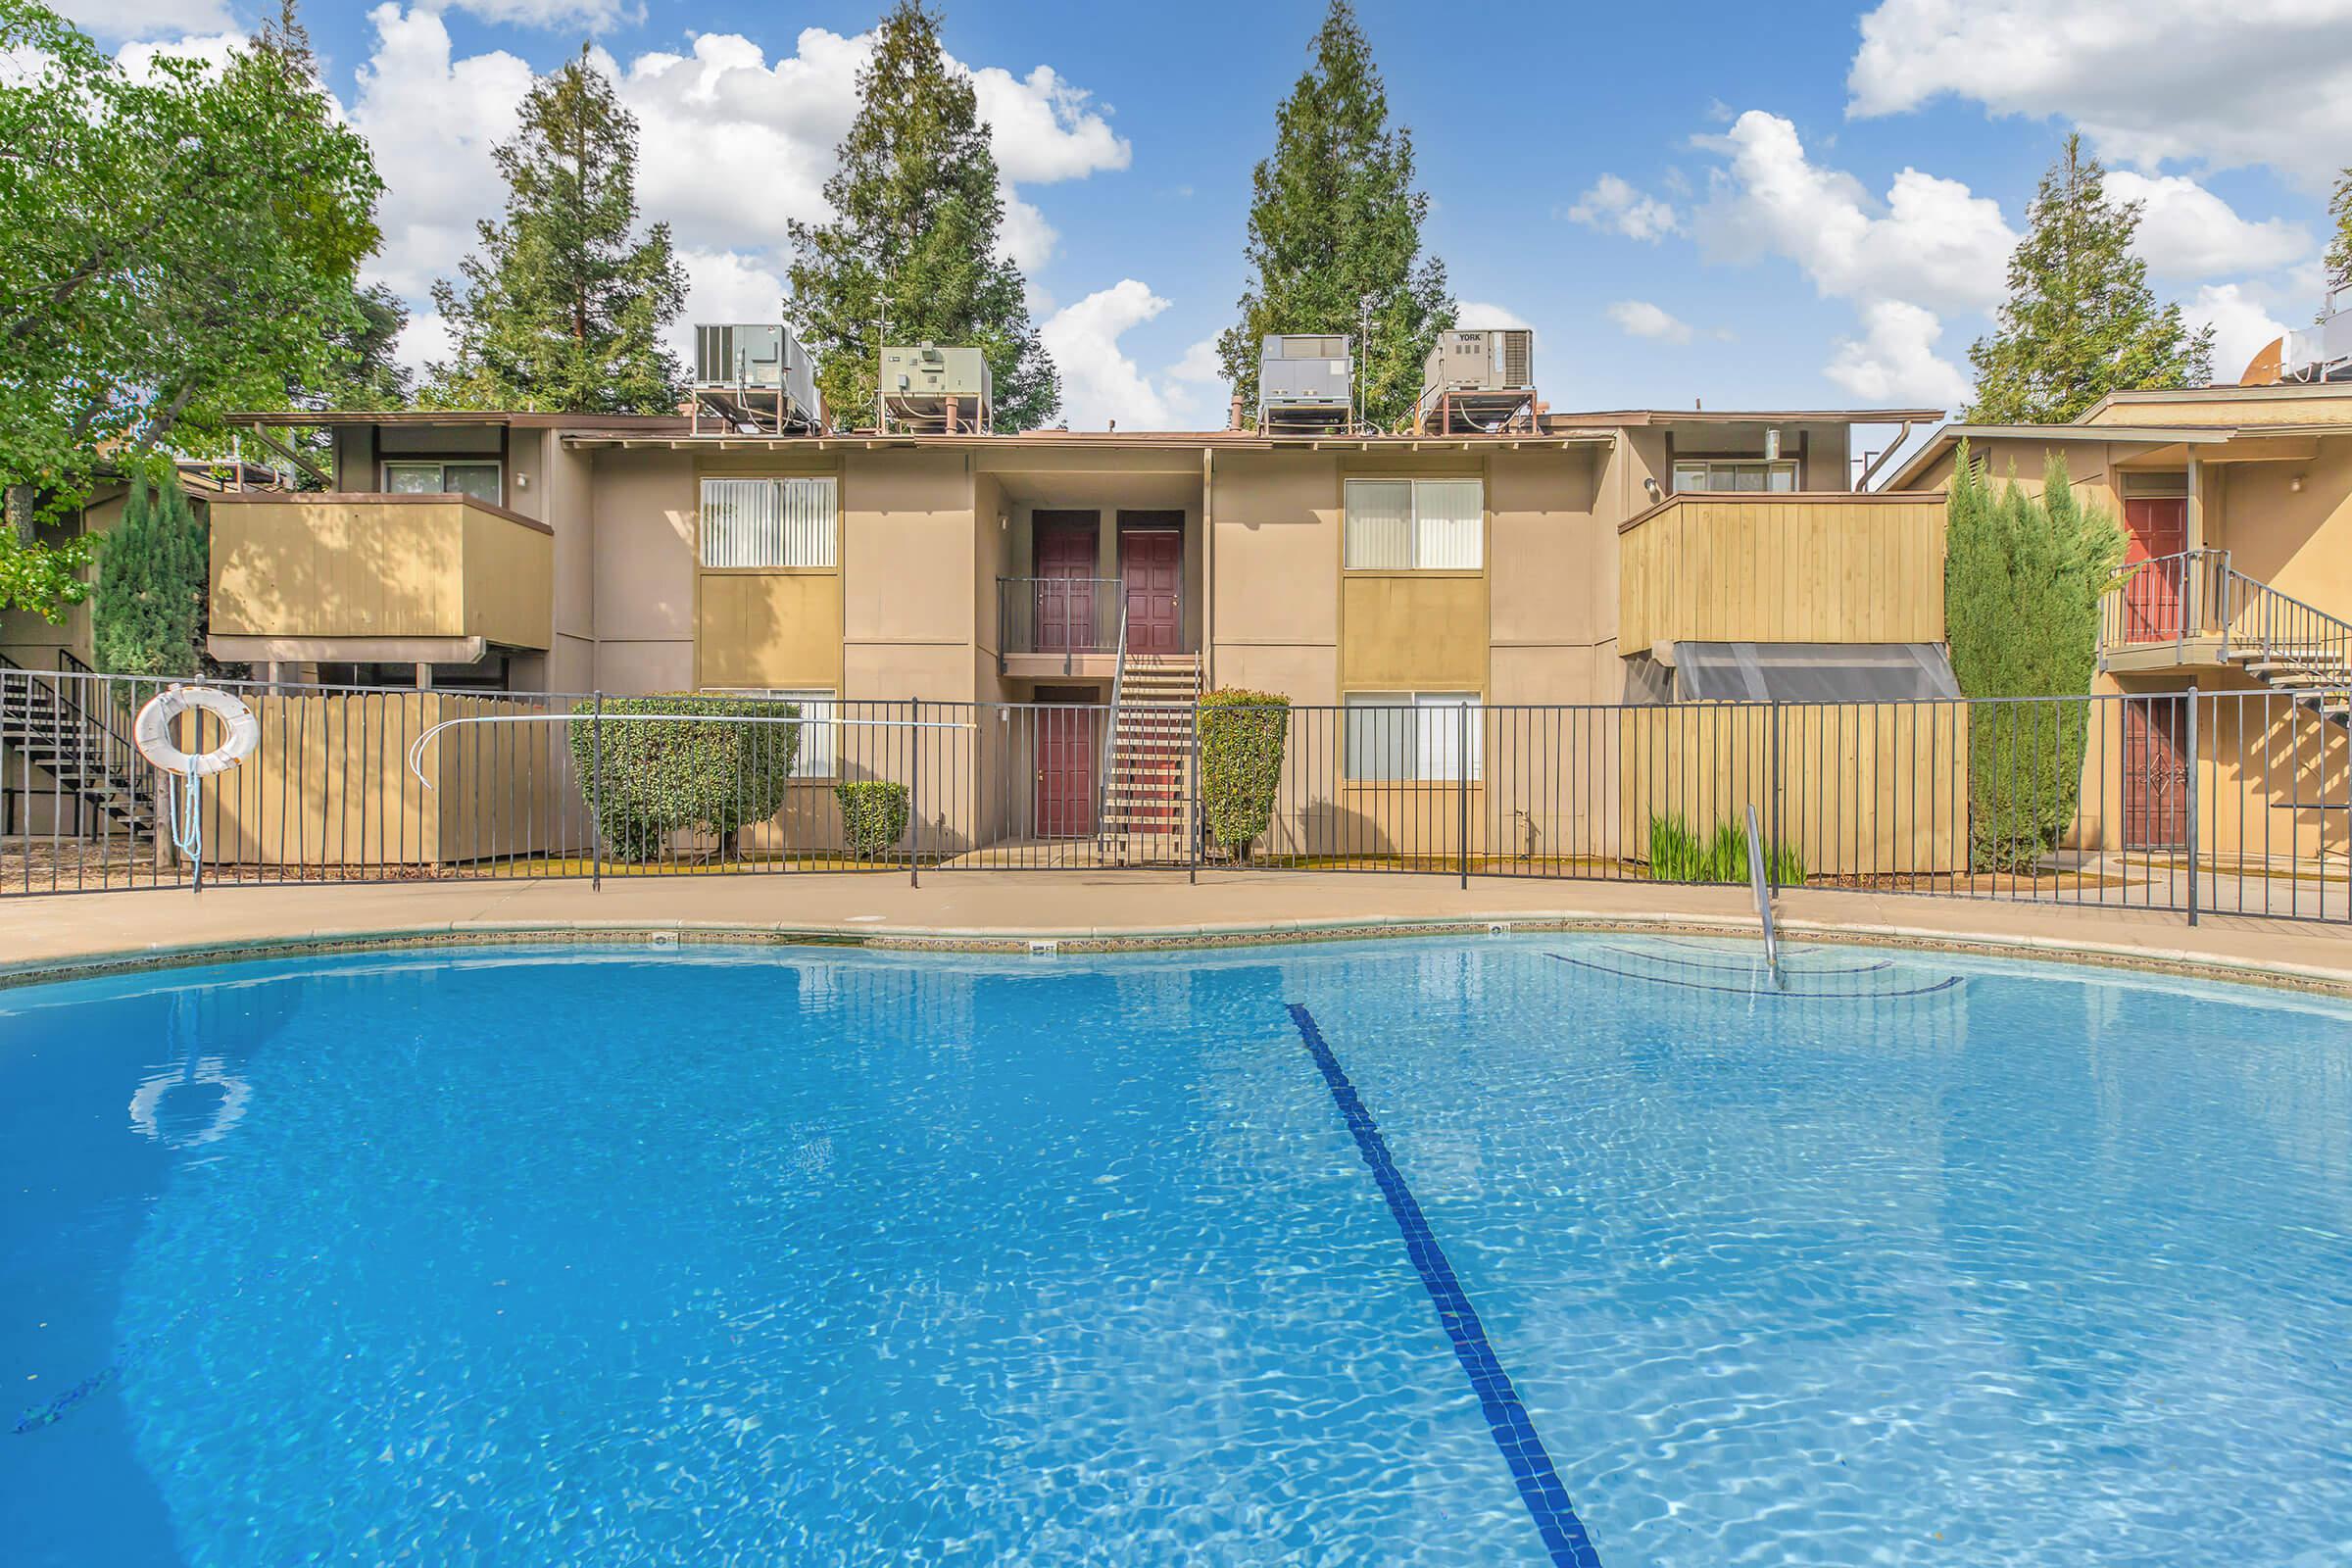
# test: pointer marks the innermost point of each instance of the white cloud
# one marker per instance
(1099, 381)
(1615, 207)
(2260, 82)
(425, 339)
(1894, 363)
(148, 19)
(2186, 231)
(2241, 327)
(1041, 129)
(138, 59)
(1199, 364)
(1640, 318)
(1931, 240)
(1472, 314)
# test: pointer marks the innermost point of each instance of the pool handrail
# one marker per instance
(1756, 885)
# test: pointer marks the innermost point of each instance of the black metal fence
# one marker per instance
(2235, 803)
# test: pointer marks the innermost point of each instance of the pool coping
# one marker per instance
(2180, 961)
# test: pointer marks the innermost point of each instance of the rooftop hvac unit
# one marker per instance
(2321, 353)
(1479, 379)
(928, 390)
(1305, 382)
(753, 375)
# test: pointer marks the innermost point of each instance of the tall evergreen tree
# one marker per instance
(1335, 231)
(563, 309)
(146, 613)
(912, 251)
(2338, 259)
(2079, 322)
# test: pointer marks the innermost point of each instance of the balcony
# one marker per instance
(2194, 611)
(394, 579)
(1059, 627)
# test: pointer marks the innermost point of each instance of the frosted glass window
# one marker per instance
(1415, 524)
(1411, 737)
(770, 522)
(820, 744)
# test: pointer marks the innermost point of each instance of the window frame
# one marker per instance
(1413, 746)
(1415, 536)
(385, 464)
(801, 696)
(1768, 467)
(702, 526)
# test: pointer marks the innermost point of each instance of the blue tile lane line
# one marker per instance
(1514, 1434)
(1747, 991)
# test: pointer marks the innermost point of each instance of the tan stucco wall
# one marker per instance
(2298, 540)
(643, 514)
(33, 641)
(910, 595)
(1277, 569)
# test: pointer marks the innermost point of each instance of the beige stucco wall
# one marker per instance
(910, 596)
(643, 515)
(1276, 573)
(2289, 523)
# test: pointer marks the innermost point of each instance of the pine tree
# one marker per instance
(911, 253)
(146, 613)
(1335, 231)
(2079, 322)
(2023, 579)
(2338, 259)
(563, 309)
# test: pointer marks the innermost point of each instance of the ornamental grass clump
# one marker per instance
(1678, 855)
(1242, 737)
(873, 814)
(651, 778)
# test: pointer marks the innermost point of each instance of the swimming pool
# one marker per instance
(1541, 1248)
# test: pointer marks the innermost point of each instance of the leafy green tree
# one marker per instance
(2338, 259)
(146, 617)
(2079, 322)
(1335, 231)
(563, 309)
(912, 251)
(179, 244)
(2023, 579)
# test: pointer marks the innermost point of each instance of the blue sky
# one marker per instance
(1785, 206)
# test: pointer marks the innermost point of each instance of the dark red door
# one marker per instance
(2156, 532)
(2155, 774)
(1064, 610)
(1065, 771)
(1152, 566)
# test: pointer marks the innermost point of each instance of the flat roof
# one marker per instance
(1951, 435)
(1097, 440)
(1643, 416)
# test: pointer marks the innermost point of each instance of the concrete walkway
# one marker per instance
(45, 935)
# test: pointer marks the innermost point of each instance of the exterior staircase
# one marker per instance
(1147, 792)
(2194, 607)
(85, 756)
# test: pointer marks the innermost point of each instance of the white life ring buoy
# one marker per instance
(151, 731)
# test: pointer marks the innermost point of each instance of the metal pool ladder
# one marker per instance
(1756, 885)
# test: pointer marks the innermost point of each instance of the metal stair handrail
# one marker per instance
(2291, 630)
(1110, 735)
(101, 748)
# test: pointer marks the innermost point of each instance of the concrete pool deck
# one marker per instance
(48, 936)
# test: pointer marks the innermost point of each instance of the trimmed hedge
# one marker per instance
(1677, 855)
(661, 776)
(873, 814)
(1242, 737)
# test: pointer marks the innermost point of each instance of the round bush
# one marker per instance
(663, 775)
(873, 814)
(1242, 737)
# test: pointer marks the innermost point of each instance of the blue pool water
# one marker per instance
(1541, 1249)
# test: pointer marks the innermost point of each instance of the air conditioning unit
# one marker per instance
(755, 374)
(927, 389)
(2320, 352)
(1482, 360)
(1306, 381)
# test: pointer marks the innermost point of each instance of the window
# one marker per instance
(1690, 477)
(1411, 737)
(819, 747)
(770, 522)
(1415, 524)
(479, 480)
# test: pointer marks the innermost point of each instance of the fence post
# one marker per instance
(1771, 860)
(2193, 803)
(915, 798)
(596, 796)
(1461, 787)
(1199, 825)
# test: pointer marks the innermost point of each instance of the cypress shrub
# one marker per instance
(147, 609)
(663, 775)
(873, 814)
(1242, 737)
(2023, 579)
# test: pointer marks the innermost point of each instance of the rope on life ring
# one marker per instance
(151, 733)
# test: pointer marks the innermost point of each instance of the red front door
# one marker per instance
(2156, 531)
(1152, 566)
(1064, 606)
(1065, 770)
(2155, 775)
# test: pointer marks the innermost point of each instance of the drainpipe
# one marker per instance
(1892, 447)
